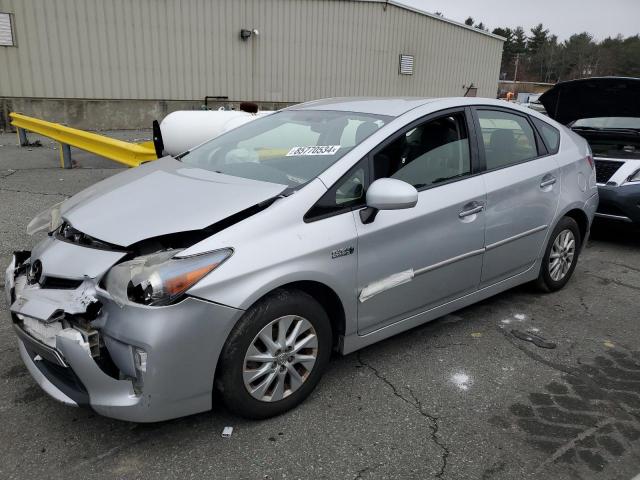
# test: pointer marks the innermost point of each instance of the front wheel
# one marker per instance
(275, 355)
(561, 255)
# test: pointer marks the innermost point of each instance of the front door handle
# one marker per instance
(548, 182)
(471, 209)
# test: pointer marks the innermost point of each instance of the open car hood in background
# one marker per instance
(595, 97)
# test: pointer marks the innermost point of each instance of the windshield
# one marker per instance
(608, 122)
(289, 147)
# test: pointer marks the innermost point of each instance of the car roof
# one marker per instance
(391, 106)
(395, 106)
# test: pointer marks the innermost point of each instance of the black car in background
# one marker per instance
(606, 112)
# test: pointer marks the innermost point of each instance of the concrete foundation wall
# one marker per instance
(107, 114)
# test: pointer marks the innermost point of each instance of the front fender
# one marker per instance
(306, 252)
(242, 292)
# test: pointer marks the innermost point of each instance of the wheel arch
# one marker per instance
(574, 212)
(581, 219)
(326, 297)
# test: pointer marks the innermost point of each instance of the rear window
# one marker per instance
(550, 135)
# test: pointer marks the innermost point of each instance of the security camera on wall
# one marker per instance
(245, 34)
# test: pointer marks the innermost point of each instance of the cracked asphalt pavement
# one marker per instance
(459, 398)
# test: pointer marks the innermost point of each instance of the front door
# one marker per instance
(523, 187)
(415, 259)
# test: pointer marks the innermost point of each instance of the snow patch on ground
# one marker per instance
(461, 380)
(517, 317)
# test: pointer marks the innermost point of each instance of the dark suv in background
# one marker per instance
(606, 112)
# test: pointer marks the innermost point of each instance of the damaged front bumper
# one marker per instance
(135, 362)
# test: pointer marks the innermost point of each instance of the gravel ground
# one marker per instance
(459, 398)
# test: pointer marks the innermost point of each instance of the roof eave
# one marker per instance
(436, 17)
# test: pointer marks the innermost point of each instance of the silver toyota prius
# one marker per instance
(235, 268)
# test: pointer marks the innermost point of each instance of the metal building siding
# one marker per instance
(186, 49)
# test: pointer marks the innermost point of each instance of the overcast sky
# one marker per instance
(562, 17)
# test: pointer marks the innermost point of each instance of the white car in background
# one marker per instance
(533, 102)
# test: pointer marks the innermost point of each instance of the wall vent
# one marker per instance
(406, 64)
(6, 30)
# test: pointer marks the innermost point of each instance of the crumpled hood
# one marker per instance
(161, 197)
(569, 101)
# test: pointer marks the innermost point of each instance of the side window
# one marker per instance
(348, 192)
(550, 134)
(507, 138)
(431, 153)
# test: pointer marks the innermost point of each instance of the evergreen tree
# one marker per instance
(542, 58)
(538, 39)
(519, 40)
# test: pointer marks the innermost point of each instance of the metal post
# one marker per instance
(22, 137)
(65, 156)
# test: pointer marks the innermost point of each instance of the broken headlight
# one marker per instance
(46, 221)
(160, 278)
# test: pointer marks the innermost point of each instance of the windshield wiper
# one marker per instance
(623, 130)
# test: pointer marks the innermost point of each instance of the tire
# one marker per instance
(292, 378)
(552, 277)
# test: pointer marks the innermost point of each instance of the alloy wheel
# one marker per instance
(280, 358)
(561, 255)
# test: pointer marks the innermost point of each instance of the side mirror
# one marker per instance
(388, 194)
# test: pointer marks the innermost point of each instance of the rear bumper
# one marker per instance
(182, 343)
(621, 203)
(590, 207)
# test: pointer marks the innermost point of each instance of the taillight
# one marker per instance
(591, 162)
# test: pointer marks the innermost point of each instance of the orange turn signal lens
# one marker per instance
(178, 284)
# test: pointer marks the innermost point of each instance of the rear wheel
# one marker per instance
(561, 255)
(275, 355)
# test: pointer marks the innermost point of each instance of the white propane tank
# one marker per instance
(184, 129)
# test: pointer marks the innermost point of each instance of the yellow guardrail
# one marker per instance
(130, 154)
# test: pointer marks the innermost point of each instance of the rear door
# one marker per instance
(415, 259)
(523, 185)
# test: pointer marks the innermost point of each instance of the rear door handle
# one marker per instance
(548, 182)
(471, 209)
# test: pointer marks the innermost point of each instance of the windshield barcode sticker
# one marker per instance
(317, 150)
